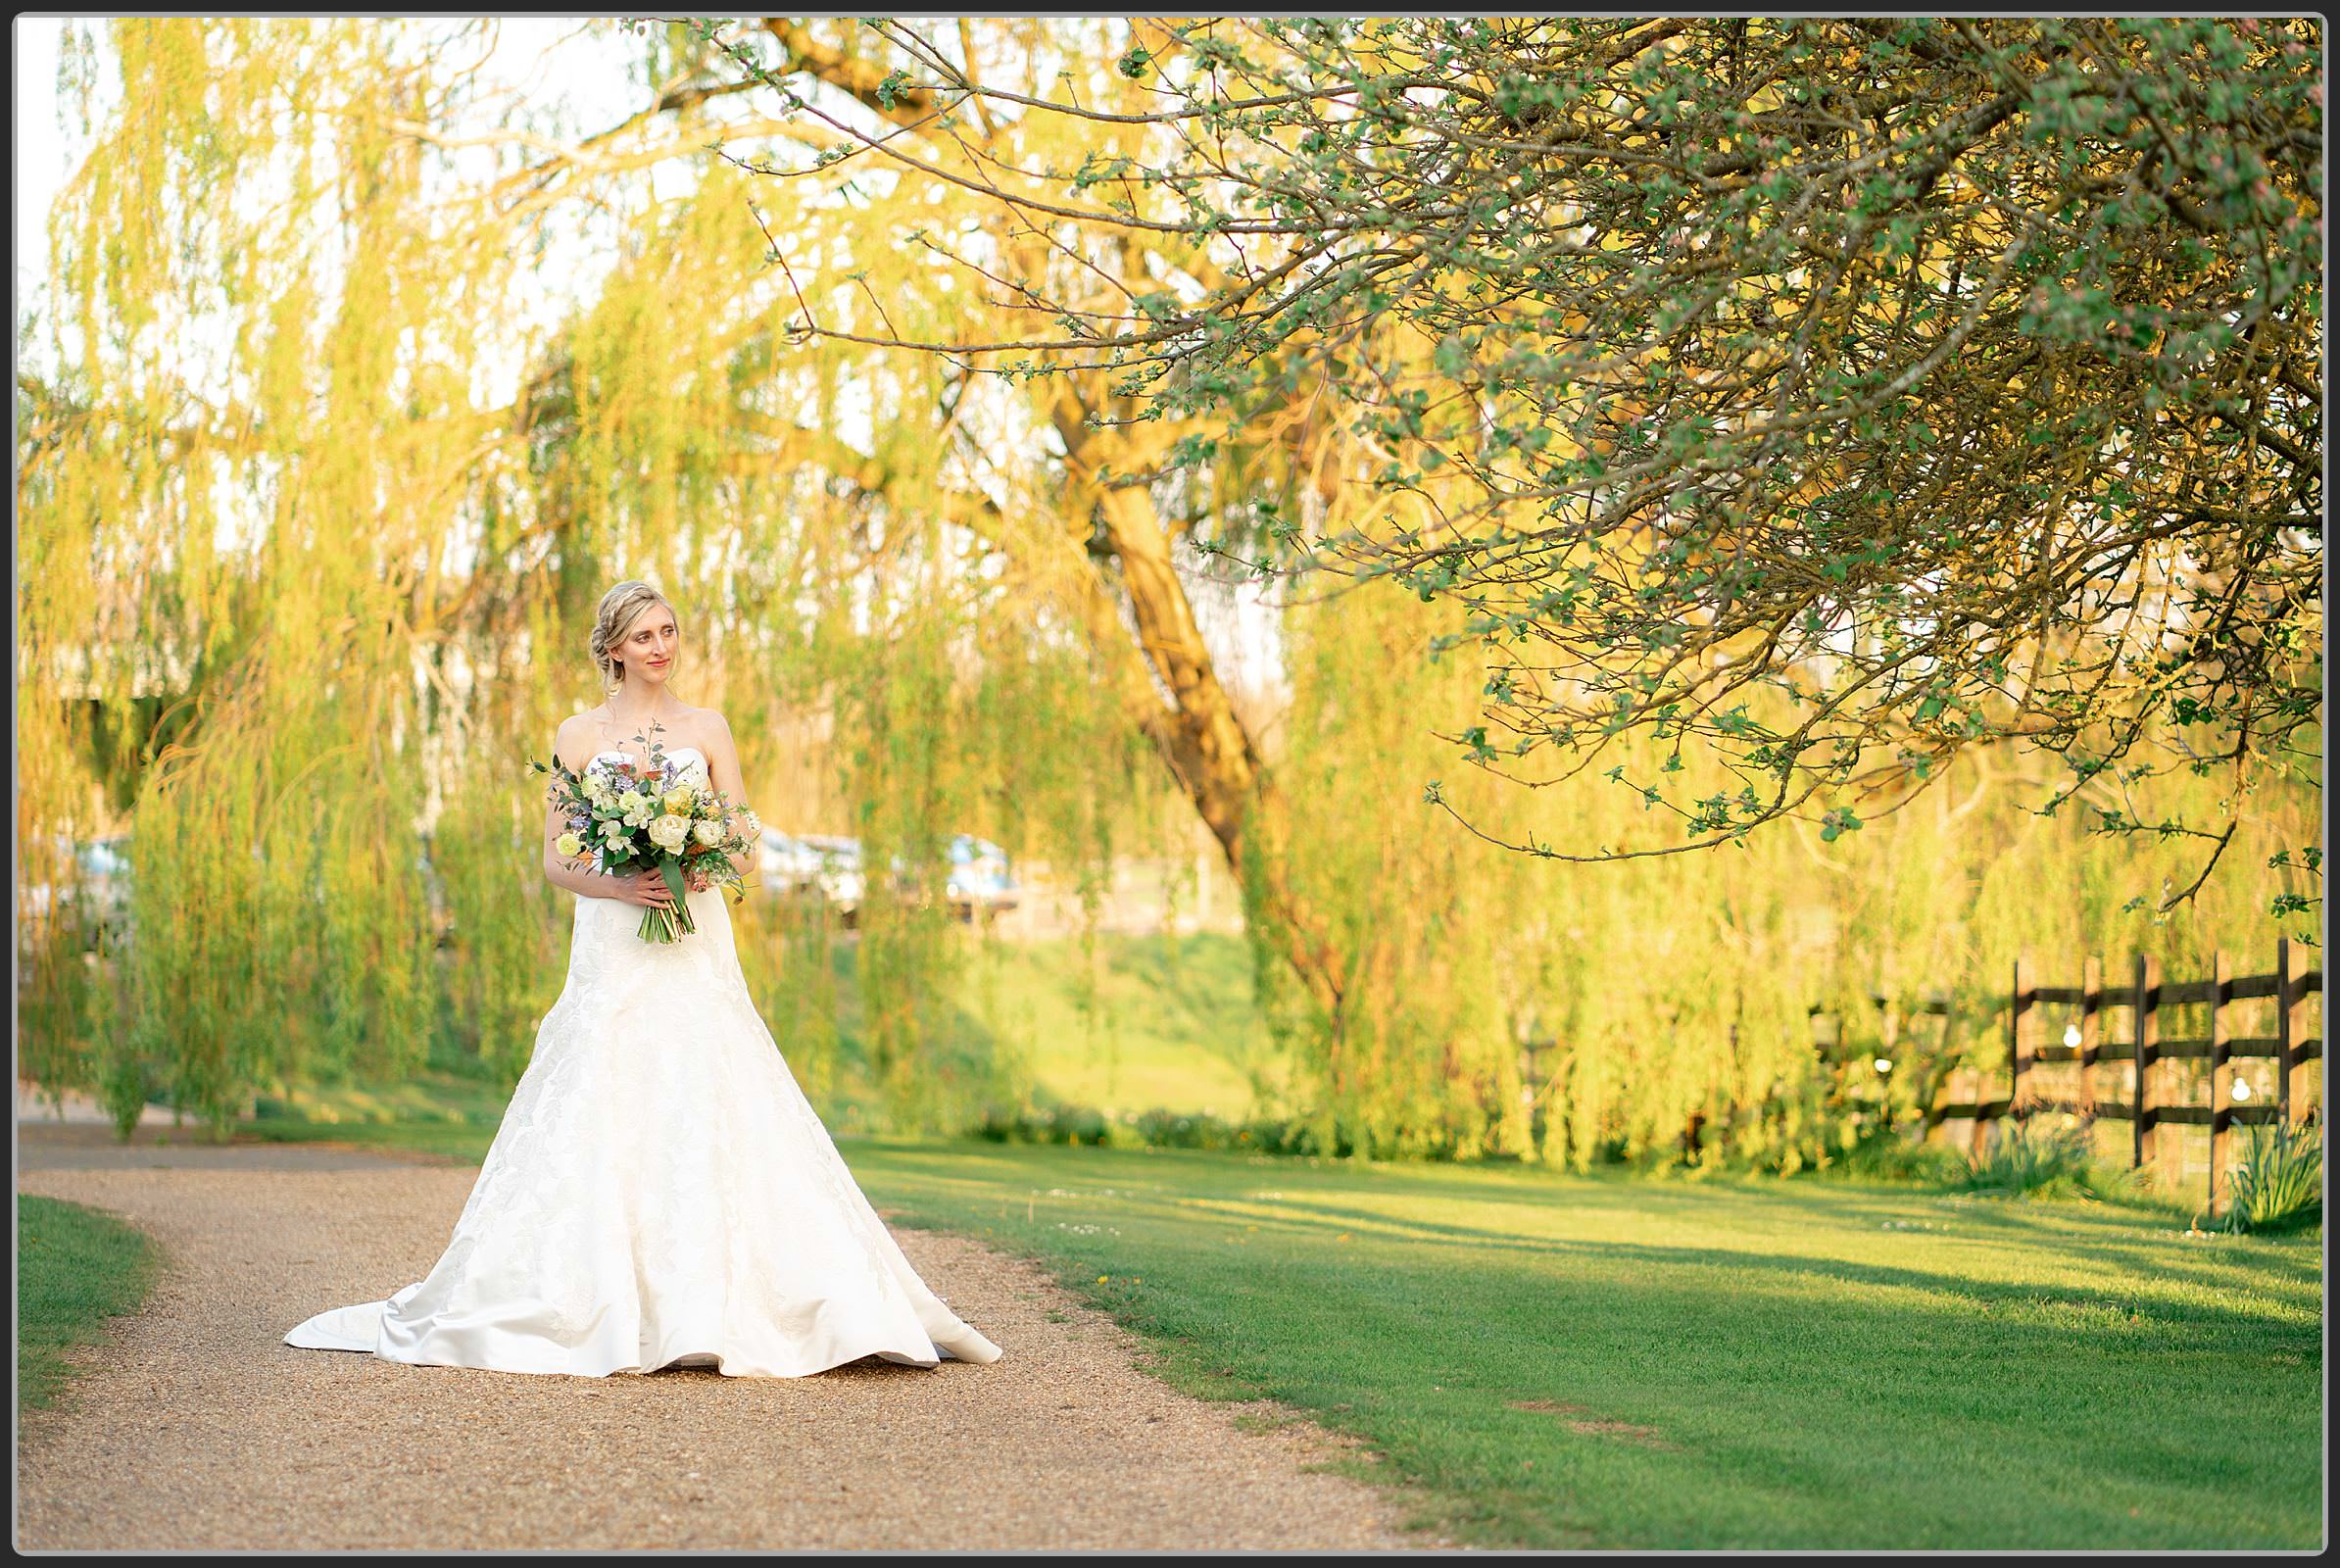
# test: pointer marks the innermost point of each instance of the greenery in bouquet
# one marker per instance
(628, 815)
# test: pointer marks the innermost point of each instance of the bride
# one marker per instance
(660, 1192)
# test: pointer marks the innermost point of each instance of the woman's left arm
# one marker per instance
(723, 772)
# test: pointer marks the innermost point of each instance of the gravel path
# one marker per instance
(196, 1427)
(67, 1145)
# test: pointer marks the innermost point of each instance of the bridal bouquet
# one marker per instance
(664, 816)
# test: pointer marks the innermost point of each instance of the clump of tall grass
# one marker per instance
(2279, 1185)
(2028, 1160)
(1892, 1154)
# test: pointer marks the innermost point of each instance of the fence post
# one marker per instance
(2169, 1134)
(1726, 1101)
(2022, 1024)
(2222, 1079)
(2092, 1003)
(2143, 1010)
(2289, 1068)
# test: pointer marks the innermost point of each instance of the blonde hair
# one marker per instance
(618, 607)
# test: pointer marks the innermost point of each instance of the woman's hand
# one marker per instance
(646, 888)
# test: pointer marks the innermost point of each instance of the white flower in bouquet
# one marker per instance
(608, 802)
(748, 825)
(707, 832)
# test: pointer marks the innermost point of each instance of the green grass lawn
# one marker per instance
(1174, 1027)
(1605, 1360)
(75, 1268)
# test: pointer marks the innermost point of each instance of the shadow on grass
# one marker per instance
(1700, 1366)
(2127, 1237)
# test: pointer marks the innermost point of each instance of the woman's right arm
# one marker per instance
(580, 878)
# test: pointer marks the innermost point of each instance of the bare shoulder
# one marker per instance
(573, 736)
(710, 723)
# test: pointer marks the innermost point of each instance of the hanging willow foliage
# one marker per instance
(1500, 1004)
(1678, 987)
(338, 445)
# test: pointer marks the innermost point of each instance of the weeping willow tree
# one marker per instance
(1496, 297)
(1973, 354)
(355, 389)
(1501, 1006)
(361, 385)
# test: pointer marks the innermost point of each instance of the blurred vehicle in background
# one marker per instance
(837, 871)
(840, 874)
(101, 881)
(786, 863)
(981, 883)
(100, 886)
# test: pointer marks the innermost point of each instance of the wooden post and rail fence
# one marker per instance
(2140, 1057)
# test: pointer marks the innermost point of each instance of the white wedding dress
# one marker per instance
(660, 1192)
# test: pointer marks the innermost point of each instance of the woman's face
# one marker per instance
(648, 648)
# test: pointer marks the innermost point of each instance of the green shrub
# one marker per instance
(1167, 1129)
(1047, 1124)
(1889, 1154)
(1159, 1127)
(1273, 1135)
(1078, 1124)
(2026, 1160)
(2279, 1185)
(1011, 1124)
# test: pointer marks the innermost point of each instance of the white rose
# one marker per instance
(707, 832)
(670, 832)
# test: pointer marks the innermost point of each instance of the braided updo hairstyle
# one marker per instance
(620, 605)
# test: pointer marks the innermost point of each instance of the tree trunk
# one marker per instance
(1199, 735)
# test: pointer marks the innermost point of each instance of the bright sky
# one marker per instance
(37, 153)
(588, 82)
